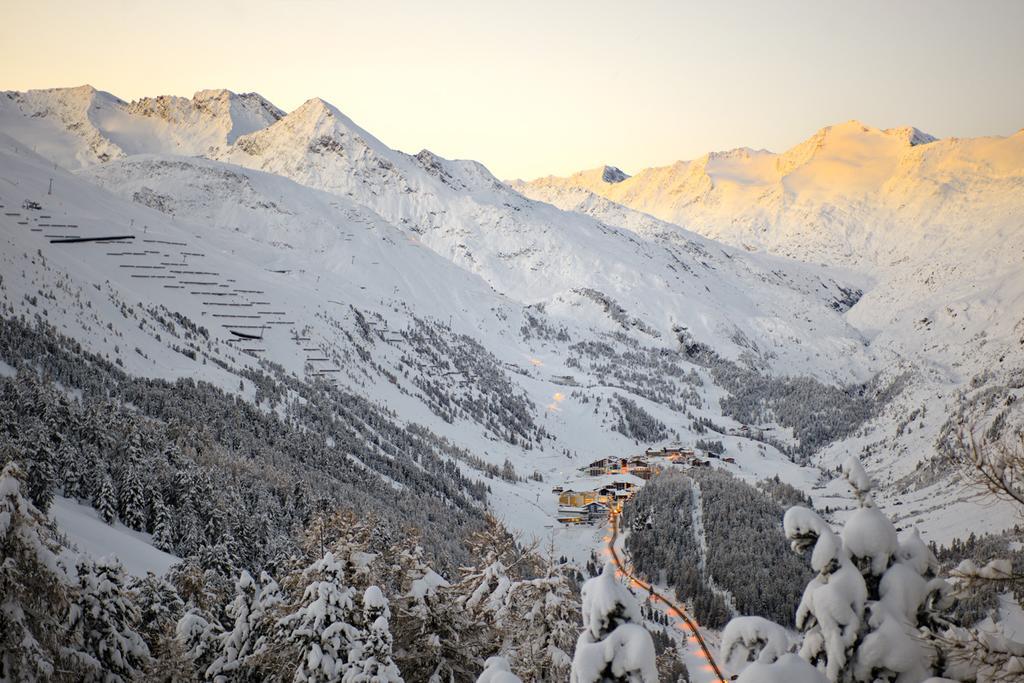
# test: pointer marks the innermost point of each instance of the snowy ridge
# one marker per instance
(91, 127)
(850, 193)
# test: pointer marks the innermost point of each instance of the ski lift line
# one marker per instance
(176, 244)
(224, 303)
(174, 287)
(76, 240)
(196, 282)
(214, 293)
(673, 608)
(231, 315)
(133, 265)
(270, 312)
(243, 327)
(194, 272)
(153, 277)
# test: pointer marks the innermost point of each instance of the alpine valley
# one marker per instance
(284, 315)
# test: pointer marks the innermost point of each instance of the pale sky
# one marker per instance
(534, 88)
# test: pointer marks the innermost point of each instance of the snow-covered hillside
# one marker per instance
(334, 291)
(543, 336)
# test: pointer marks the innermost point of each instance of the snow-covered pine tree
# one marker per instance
(190, 535)
(370, 659)
(102, 619)
(40, 477)
(613, 645)
(132, 501)
(197, 638)
(546, 624)
(70, 475)
(428, 627)
(159, 608)
(163, 530)
(874, 611)
(319, 628)
(105, 502)
(252, 612)
(33, 584)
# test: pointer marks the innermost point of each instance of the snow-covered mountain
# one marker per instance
(849, 194)
(544, 335)
(79, 127)
(931, 224)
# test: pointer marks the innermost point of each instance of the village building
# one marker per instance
(595, 512)
(588, 507)
(570, 515)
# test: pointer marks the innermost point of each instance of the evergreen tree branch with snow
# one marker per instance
(614, 646)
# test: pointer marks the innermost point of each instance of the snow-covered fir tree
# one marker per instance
(132, 501)
(197, 637)
(159, 608)
(236, 645)
(370, 660)
(102, 619)
(33, 586)
(873, 612)
(613, 646)
(546, 623)
(320, 628)
(105, 503)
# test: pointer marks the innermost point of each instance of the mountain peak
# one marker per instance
(315, 107)
(613, 174)
(911, 135)
(79, 94)
(213, 94)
